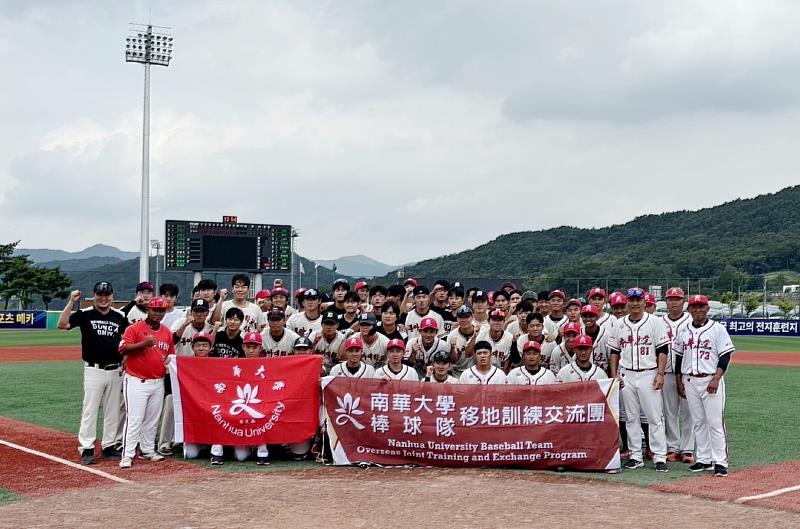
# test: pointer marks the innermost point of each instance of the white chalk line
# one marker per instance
(772, 494)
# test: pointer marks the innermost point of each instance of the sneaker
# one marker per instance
(672, 457)
(87, 457)
(687, 457)
(700, 467)
(125, 462)
(152, 456)
(262, 461)
(217, 460)
(631, 464)
(110, 452)
(165, 451)
(661, 467)
(720, 471)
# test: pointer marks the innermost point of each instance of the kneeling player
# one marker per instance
(201, 347)
(581, 368)
(531, 373)
(439, 372)
(395, 369)
(353, 367)
(483, 372)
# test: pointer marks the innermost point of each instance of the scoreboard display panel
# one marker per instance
(227, 246)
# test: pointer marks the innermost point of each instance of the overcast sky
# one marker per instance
(400, 130)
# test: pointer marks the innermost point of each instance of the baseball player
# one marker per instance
(703, 350)
(420, 350)
(302, 346)
(328, 341)
(352, 366)
(374, 343)
(501, 340)
(483, 372)
(677, 417)
(619, 305)
(543, 303)
(202, 343)
(253, 349)
(531, 373)
(395, 369)
(597, 298)
(145, 346)
(254, 320)
(169, 292)
(339, 288)
(639, 346)
(535, 329)
(228, 343)
(649, 303)
(388, 324)
(554, 321)
(439, 371)
(573, 310)
(136, 310)
(517, 325)
(101, 328)
(377, 297)
(422, 301)
(459, 338)
(264, 301)
(303, 323)
(564, 352)
(598, 334)
(581, 369)
(277, 340)
(280, 300)
(349, 317)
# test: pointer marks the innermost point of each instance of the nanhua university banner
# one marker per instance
(398, 422)
(245, 401)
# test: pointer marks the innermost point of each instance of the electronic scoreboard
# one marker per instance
(227, 246)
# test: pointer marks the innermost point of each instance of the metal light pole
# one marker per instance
(146, 46)
(157, 245)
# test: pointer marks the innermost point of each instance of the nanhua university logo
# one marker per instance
(242, 418)
(247, 396)
(347, 409)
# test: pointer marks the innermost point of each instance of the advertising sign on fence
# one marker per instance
(762, 327)
(23, 319)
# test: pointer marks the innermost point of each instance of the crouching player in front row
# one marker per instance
(353, 366)
(531, 373)
(581, 368)
(395, 369)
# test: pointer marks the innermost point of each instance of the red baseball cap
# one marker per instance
(299, 292)
(596, 292)
(572, 327)
(574, 301)
(557, 294)
(532, 345)
(649, 299)
(252, 337)
(697, 299)
(395, 343)
(497, 314)
(261, 294)
(201, 337)
(428, 323)
(158, 303)
(354, 343)
(583, 341)
(410, 281)
(279, 290)
(361, 284)
(618, 298)
(675, 292)
(590, 309)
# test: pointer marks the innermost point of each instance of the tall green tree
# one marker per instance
(20, 277)
(52, 283)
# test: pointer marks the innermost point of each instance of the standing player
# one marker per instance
(310, 320)
(228, 343)
(441, 306)
(599, 336)
(277, 340)
(650, 303)
(703, 351)
(639, 347)
(328, 341)
(254, 320)
(388, 324)
(145, 346)
(501, 340)
(352, 366)
(531, 373)
(136, 310)
(420, 350)
(581, 369)
(374, 344)
(348, 318)
(535, 330)
(263, 300)
(619, 305)
(677, 417)
(459, 338)
(280, 300)
(101, 328)
(339, 289)
(564, 353)
(480, 308)
(439, 371)
(597, 298)
(394, 368)
(169, 292)
(483, 372)
(554, 321)
(422, 301)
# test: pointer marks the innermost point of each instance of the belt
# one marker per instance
(107, 367)
(639, 370)
(700, 375)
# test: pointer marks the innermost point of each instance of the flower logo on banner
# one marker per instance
(347, 408)
(247, 396)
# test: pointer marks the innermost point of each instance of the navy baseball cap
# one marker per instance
(421, 289)
(479, 295)
(311, 294)
(103, 287)
(302, 342)
(199, 304)
(441, 356)
(367, 318)
(635, 292)
(463, 310)
(330, 317)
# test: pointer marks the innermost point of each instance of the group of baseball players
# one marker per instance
(671, 368)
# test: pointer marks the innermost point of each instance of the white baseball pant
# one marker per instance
(241, 452)
(640, 395)
(100, 386)
(143, 400)
(708, 416)
(678, 425)
(167, 433)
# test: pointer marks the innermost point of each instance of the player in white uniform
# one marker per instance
(422, 310)
(531, 373)
(480, 307)
(395, 369)
(439, 371)
(459, 338)
(597, 298)
(374, 343)
(535, 323)
(564, 352)
(138, 310)
(501, 340)
(420, 350)
(254, 320)
(677, 417)
(599, 335)
(703, 350)
(352, 366)
(310, 320)
(581, 369)
(556, 319)
(276, 339)
(483, 372)
(639, 346)
(280, 300)
(328, 341)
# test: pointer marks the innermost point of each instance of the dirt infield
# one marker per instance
(767, 359)
(40, 354)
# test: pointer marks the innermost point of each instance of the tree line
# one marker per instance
(21, 278)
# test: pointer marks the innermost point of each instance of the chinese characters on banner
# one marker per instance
(245, 401)
(398, 422)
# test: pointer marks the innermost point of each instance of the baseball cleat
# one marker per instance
(153, 456)
(165, 451)
(672, 457)
(720, 471)
(87, 457)
(262, 461)
(217, 460)
(125, 462)
(110, 452)
(632, 464)
(661, 467)
(700, 467)
(687, 457)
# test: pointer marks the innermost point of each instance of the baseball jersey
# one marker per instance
(405, 373)
(425, 354)
(606, 321)
(173, 317)
(136, 314)
(637, 342)
(449, 380)
(100, 334)
(572, 372)
(254, 318)
(375, 353)
(547, 348)
(552, 326)
(484, 325)
(672, 332)
(413, 319)
(147, 363)
(183, 343)
(364, 371)
(300, 324)
(460, 341)
(227, 346)
(328, 349)
(282, 346)
(522, 377)
(448, 319)
(702, 347)
(560, 357)
(601, 355)
(501, 348)
(473, 376)
(513, 328)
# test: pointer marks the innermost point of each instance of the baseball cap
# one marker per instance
(367, 318)
(590, 309)
(302, 341)
(441, 356)
(311, 293)
(441, 284)
(299, 292)
(199, 305)
(557, 294)
(635, 292)
(201, 337)
(341, 283)
(574, 301)
(583, 341)
(144, 285)
(479, 295)
(675, 292)
(428, 323)
(420, 289)
(261, 294)
(536, 346)
(280, 290)
(410, 281)
(395, 343)
(353, 343)
(497, 314)
(617, 298)
(530, 295)
(572, 327)
(596, 292)
(508, 284)
(276, 314)
(158, 303)
(463, 310)
(330, 317)
(103, 287)
(649, 298)
(252, 337)
(361, 284)
(456, 291)
(698, 299)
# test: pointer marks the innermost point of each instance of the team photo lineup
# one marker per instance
(670, 368)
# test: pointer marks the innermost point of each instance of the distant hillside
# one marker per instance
(358, 266)
(728, 243)
(98, 250)
(79, 265)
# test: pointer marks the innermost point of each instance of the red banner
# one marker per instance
(245, 401)
(397, 422)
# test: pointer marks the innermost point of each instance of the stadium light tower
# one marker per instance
(147, 46)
